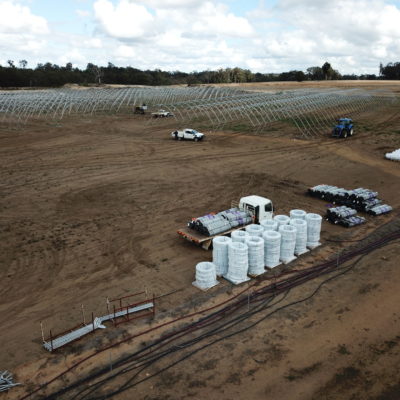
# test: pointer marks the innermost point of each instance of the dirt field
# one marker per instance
(89, 209)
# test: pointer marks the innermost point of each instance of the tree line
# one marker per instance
(52, 75)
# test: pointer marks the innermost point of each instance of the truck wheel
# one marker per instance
(351, 133)
(344, 134)
(179, 138)
(196, 139)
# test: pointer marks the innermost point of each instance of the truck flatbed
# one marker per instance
(202, 240)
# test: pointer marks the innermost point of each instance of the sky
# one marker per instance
(267, 36)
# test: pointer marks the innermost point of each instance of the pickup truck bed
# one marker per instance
(202, 240)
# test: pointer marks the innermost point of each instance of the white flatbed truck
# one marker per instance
(258, 207)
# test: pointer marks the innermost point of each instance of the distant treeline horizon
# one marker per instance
(52, 75)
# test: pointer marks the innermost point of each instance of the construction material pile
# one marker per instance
(359, 199)
(344, 216)
(394, 155)
(6, 381)
(213, 224)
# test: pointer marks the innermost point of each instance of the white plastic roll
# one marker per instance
(239, 236)
(297, 214)
(272, 248)
(254, 230)
(281, 220)
(238, 262)
(220, 254)
(255, 246)
(269, 225)
(314, 222)
(301, 235)
(206, 276)
(288, 243)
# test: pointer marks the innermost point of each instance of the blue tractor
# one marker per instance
(344, 128)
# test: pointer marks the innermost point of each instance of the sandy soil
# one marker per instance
(90, 208)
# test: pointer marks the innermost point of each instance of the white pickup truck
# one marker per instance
(162, 114)
(188, 134)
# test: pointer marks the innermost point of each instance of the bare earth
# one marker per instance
(89, 208)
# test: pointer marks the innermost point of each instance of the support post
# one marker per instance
(41, 328)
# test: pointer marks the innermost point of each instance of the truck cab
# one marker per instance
(259, 207)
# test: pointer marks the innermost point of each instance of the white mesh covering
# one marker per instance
(272, 248)
(255, 245)
(297, 214)
(220, 254)
(269, 224)
(206, 276)
(281, 220)
(288, 243)
(301, 236)
(239, 236)
(238, 262)
(254, 230)
(314, 222)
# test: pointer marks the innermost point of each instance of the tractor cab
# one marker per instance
(344, 128)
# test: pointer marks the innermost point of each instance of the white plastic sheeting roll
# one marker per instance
(297, 214)
(206, 276)
(281, 220)
(220, 254)
(239, 236)
(314, 222)
(394, 155)
(288, 243)
(254, 230)
(272, 248)
(301, 236)
(269, 224)
(255, 245)
(238, 262)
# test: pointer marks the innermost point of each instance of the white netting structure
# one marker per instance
(239, 236)
(220, 254)
(394, 155)
(206, 276)
(301, 236)
(288, 243)
(238, 255)
(281, 220)
(297, 214)
(255, 246)
(254, 230)
(314, 222)
(272, 248)
(269, 224)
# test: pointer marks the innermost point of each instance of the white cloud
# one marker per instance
(15, 18)
(82, 13)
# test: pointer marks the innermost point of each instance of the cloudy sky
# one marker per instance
(194, 35)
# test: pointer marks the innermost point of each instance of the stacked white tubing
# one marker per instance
(272, 248)
(254, 230)
(206, 276)
(239, 236)
(301, 236)
(238, 262)
(255, 245)
(314, 222)
(269, 225)
(297, 214)
(288, 243)
(281, 220)
(220, 254)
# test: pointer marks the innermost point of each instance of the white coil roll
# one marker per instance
(206, 275)
(220, 254)
(281, 220)
(254, 230)
(269, 225)
(238, 262)
(239, 236)
(297, 214)
(288, 242)
(314, 222)
(301, 235)
(255, 246)
(272, 248)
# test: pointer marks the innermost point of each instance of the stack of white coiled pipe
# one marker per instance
(255, 246)
(220, 254)
(206, 276)
(288, 243)
(272, 248)
(238, 258)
